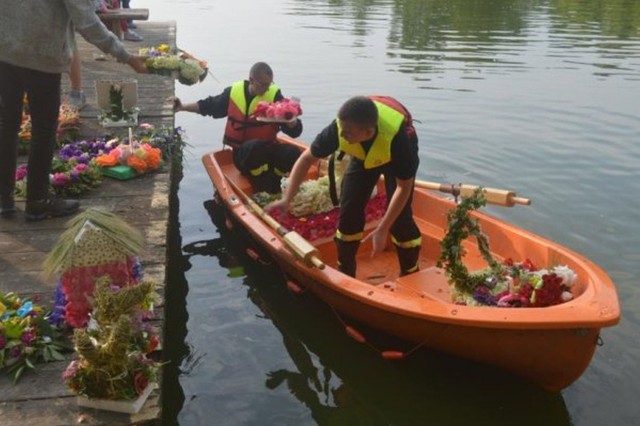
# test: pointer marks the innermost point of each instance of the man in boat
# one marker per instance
(256, 151)
(378, 134)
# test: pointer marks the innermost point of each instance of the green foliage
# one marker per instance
(26, 337)
(462, 226)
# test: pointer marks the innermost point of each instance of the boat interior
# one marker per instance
(383, 269)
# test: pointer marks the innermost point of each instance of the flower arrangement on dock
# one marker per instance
(95, 244)
(75, 169)
(26, 337)
(142, 158)
(113, 353)
(68, 125)
(176, 63)
(501, 284)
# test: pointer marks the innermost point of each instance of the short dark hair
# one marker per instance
(260, 68)
(359, 110)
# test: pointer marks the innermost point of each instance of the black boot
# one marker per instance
(50, 207)
(409, 260)
(347, 256)
(7, 206)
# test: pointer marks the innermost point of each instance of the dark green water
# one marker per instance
(541, 97)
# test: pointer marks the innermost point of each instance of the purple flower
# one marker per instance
(137, 269)
(21, 172)
(482, 295)
(15, 351)
(3, 341)
(57, 316)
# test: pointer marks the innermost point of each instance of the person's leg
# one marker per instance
(77, 98)
(127, 26)
(252, 159)
(43, 91)
(130, 23)
(405, 234)
(11, 96)
(282, 157)
(357, 185)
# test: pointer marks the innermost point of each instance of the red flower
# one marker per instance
(528, 265)
(140, 382)
(551, 292)
(152, 344)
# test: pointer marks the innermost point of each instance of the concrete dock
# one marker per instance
(41, 397)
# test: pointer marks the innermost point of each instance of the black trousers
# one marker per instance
(357, 185)
(265, 163)
(43, 92)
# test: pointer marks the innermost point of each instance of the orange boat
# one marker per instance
(550, 346)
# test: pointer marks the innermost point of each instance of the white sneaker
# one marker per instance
(77, 99)
(132, 36)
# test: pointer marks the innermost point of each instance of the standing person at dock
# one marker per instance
(378, 135)
(36, 46)
(256, 151)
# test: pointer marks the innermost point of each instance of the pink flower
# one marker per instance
(60, 180)
(71, 371)
(28, 337)
(81, 167)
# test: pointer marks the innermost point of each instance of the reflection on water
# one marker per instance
(539, 96)
(474, 38)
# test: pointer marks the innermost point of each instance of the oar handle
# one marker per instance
(501, 197)
(315, 261)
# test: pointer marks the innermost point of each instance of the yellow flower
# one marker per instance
(164, 48)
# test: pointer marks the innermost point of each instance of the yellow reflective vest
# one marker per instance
(389, 122)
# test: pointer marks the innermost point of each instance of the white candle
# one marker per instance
(130, 140)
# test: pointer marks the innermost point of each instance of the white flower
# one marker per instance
(190, 70)
(567, 274)
(566, 296)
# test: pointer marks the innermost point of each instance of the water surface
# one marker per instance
(536, 96)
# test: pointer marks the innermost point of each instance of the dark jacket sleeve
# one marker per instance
(216, 106)
(404, 155)
(326, 143)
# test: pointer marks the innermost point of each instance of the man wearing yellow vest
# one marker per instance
(378, 134)
(256, 152)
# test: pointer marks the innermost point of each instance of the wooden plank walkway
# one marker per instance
(41, 396)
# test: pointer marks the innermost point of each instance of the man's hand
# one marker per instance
(292, 123)
(281, 204)
(177, 104)
(138, 64)
(378, 240)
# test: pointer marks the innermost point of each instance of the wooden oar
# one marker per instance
(296, 242)
(501, 197)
